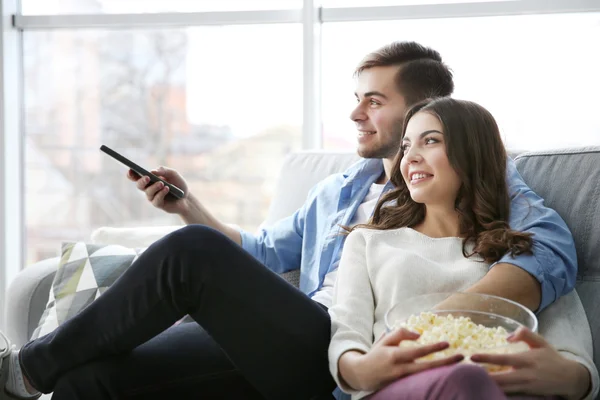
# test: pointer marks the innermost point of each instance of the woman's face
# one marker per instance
(425, 166)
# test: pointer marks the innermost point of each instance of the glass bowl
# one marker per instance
(463, 337)
(489, 311)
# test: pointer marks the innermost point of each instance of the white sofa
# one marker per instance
(569, 181)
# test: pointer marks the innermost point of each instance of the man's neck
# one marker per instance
(387, 170)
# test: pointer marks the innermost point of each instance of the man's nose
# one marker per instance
(358, 114)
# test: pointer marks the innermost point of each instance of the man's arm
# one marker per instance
(511, 282)
(279, 246)
(537, 280)
(189, 208)
(196, 213)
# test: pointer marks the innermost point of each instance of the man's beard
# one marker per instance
(385, 150)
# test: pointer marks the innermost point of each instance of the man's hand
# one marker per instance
(541, 371)
(386, 361)
(188, 208)
(157, 192)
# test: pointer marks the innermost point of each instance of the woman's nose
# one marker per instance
(412, 155)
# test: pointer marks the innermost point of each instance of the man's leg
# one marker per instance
(181, 363)
(274, 334)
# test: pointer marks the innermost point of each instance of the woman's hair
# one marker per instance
(476, 152)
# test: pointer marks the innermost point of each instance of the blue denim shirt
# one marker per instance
(310, 238)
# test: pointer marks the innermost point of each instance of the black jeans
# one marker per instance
(256, 337)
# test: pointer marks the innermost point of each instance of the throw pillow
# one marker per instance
(85, 271)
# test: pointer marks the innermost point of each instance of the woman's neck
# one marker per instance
(439, 222)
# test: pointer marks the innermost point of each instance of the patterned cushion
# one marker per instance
(85, 272)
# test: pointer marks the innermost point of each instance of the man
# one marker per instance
(261, 337)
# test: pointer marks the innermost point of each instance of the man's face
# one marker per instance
(379, 113)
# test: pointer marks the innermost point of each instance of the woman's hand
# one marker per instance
(539, 371)
(386, 361)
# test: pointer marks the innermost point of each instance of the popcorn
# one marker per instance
(463, 335)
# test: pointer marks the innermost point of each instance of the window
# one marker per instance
(56, 7)
(377, 3)
(222, 105)
(537, 74)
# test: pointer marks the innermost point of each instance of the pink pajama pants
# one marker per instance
(454, 382)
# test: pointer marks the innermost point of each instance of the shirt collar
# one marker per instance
(364, 168)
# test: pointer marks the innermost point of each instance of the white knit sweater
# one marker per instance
(379, 269)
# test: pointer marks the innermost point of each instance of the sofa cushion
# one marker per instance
(84, 272)
(569, 182)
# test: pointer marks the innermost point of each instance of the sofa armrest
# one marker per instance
(138, 237)
(26, 299)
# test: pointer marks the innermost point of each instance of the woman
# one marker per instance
(439, 231)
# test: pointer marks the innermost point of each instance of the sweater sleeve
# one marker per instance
(352, 311)
(564, 325)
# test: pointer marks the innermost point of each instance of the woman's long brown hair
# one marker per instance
(476, 152)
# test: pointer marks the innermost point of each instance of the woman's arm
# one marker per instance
(355, 362)
(560, 361)
(353, 308)
(541, 371)
(387, 361)
(581, 380)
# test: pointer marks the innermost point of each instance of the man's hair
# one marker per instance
(422, 73)
(476, 152)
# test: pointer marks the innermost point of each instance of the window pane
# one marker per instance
(51, 7)
(222, 105)
(371, 3)
(539, 78)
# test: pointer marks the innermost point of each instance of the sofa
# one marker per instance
(568, 180)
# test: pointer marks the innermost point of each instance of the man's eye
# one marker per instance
(373, 103)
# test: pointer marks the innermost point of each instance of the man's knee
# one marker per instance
(194, 250)
(197, 237)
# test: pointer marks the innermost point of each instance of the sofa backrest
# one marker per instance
(569, 182)
(299, 172)
(302, 170)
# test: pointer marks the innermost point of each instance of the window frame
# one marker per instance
(312, 16)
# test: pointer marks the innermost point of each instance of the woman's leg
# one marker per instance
(453, 382)
(274, 335)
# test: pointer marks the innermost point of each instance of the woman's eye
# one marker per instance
(431, 141)
(404, 147)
